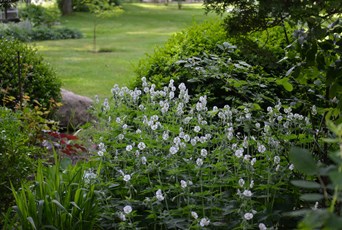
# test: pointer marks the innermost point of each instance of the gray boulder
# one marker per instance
(75, 110)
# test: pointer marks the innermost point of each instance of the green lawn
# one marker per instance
(130, 36)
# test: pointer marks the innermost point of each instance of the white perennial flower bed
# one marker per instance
(183, 165)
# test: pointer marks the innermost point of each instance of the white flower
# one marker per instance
(176, 140)
(122, 216)
(247, 193)
(261, 148)
(127, 209)
(291, 167)
(253, 161)
(193, 142)
(165, 135)
(276, 160)
(124, 126)
(204, 222)
(262, 226)
(246, 157)
(141, 107)
(118, 120)
(197, 128)
(183, 184)
(138, 131)
(199, 162)
(241, 182)
(186, 138)
(314, 110)
(121, 136)
(143, 160)
(204, 153)
(251, 185)
(127, 177)
(257, 125)
(173, 150)
(141, 146)
(194, 215)
(129, 148)
(248, 216)
(102, 147)
(159, 195)
(239, 153)
(89, 176)
(100, 153)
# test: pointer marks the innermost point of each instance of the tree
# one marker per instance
(6, 4)
(252, 15)
(101, 9)
(65, 6)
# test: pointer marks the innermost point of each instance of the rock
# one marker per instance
(75, 110)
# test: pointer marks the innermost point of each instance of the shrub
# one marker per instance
(39, 15)
(24, 31)
(37, 79)
(227, 68)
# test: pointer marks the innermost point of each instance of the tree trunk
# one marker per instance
(66, 7)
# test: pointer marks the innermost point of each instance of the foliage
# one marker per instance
(25, 32)
(231, 72)
(39, 15)
(23, 72)
(61, 197)
(178, 164)
(246, 16)
(320, 184)
(316, 58)
(18, 150)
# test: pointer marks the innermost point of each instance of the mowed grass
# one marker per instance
(129, 36)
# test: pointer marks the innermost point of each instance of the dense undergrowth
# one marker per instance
(217, 132)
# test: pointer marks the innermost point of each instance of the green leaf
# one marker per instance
(306, 184)
(311, 197)
(30, 219)
(303, 161)
(336, 178)
(285, 83)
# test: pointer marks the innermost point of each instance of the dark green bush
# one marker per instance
(38, 80)
(45, 33)
(39, 15)
(208, 61)
(39, 33)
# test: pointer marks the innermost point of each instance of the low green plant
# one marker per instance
(171, 163)
(62, 196)
(23, 72)
(17, 154)
(321, 184)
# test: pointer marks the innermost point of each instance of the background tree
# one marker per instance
(6, 4)
(100, 9)
(65, 6)
(247, 16)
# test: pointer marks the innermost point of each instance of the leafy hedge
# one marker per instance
(25, 32)
(37, 79)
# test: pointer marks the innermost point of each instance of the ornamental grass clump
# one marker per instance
(179, 165)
